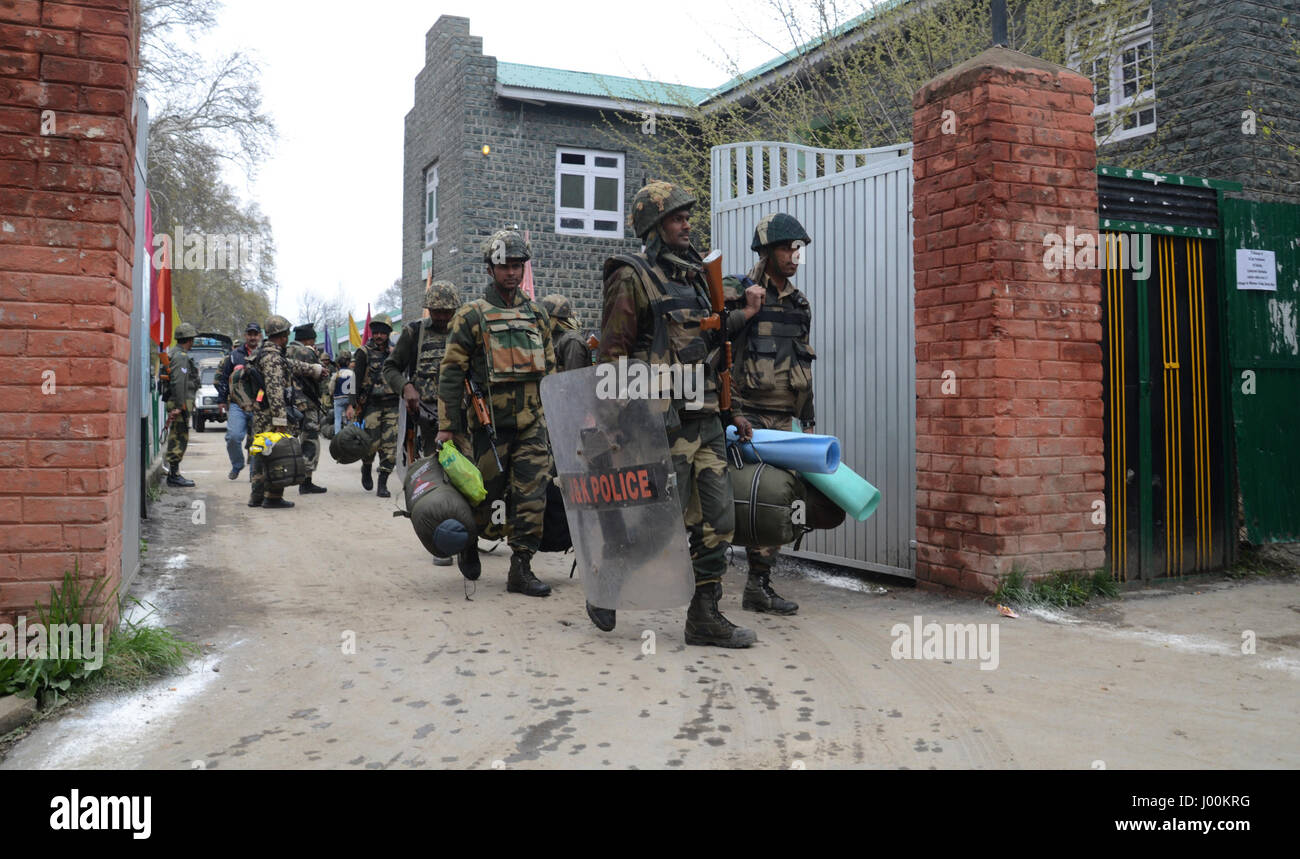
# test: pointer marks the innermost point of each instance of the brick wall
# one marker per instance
(66, 237)
(456, 112)
(1009, 444)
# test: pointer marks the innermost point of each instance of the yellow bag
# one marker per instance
(462, 473)
(264, 441)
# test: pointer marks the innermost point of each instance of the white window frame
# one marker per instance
(430, 203)
(589, 213)
(1107, 114)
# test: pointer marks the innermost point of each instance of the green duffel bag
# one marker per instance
(822, 513)
(285, 463)
(765, 504)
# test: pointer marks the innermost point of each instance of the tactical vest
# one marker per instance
(374, 386)
(431, 346)
(678, 309)
(560, 348)
(774, 358)
(298, 351)
(512, 338)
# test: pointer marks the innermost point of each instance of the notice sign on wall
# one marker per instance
(1256, 270)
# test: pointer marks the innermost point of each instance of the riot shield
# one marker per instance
(402, 458)
(620, 492)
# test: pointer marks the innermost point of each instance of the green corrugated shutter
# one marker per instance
(1264, 350)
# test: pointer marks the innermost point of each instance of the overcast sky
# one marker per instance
(338, 77)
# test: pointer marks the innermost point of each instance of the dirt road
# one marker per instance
(1158, 679)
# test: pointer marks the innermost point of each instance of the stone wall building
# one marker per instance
(490, 143)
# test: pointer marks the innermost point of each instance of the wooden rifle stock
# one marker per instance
(718, 321)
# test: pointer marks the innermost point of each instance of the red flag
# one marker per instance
(155, 313)
(527, 284)
(365, 335)
(161, 317)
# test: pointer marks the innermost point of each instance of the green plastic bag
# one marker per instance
(462, 473)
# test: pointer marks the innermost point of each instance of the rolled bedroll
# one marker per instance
(797, 451)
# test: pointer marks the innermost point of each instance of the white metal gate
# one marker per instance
(857, 274)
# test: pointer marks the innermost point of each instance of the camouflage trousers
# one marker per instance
(178, 438)
(526, 457)
(761, 557)
(257, 463)
(698, 448)
(382, 417)
(308, 432)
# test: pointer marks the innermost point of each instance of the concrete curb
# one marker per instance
(15, 712)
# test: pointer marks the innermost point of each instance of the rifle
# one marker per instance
(718, 321)
(476, 397)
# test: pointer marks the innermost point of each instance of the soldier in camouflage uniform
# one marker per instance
(376, 404)
(654, 303)
(184, 376)
(772, 380)
(571, 352)
(502, 340)
(411, 371)
(272, 413)
(306, 399)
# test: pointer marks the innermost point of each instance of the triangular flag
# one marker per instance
(329, 342)
(365, 335)
(354, 339)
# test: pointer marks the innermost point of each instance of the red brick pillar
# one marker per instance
(67, 85)
(1008, 356)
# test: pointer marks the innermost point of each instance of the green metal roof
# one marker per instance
(587, 83)
(657, 92)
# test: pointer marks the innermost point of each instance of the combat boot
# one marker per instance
(174, 477)
(760, 597)
(255, 500)
(277, 503)
(706, 625)
(382, 491)
(604, 618)
(470, 566)
(521, 579)
(309, 488)
(366, 482)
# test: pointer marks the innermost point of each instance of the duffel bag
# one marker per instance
(765, 504)
(285, 463)
(439, 514)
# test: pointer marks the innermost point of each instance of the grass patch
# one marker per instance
(1057, 589)
(132, 653)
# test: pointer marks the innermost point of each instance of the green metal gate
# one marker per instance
(1264, 377)
(1166, 469)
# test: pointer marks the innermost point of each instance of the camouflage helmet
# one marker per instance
(344, 357)
(653, 202)
(381, 319)
(776, 228)
(352, 443)
(185, 331)
(276, 325)
(507, 245)
(441, 295)
(557, 306)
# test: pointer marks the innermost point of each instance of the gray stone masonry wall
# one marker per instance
(456, 113)
(1245, 58)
